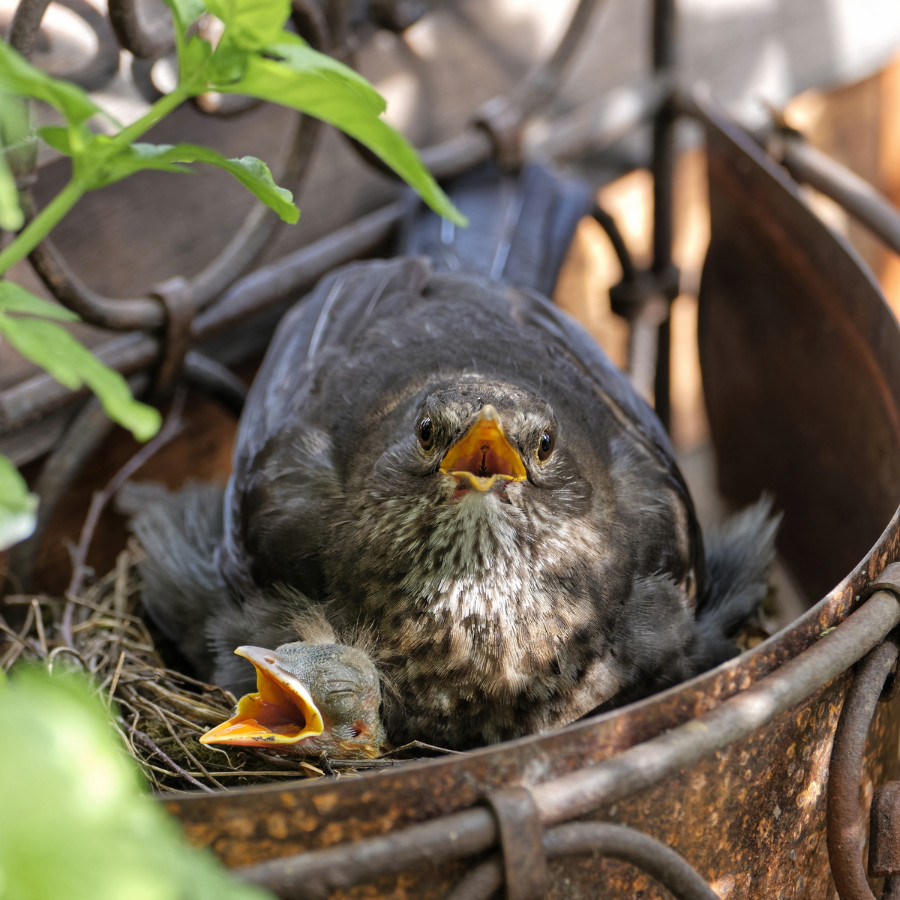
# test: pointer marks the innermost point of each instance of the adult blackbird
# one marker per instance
(450, 469)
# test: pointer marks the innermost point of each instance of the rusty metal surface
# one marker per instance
(801, 362)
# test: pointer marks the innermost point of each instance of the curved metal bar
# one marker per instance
(646, 853)
(141, 313)
(256, 229)
(502, 117)
(85, 433)
(481, 882)
(661, 862)
(215, 380)
(105, 62)
(581, 792)
(844, 827)
(143, 40)
(25, 23)
(253, 294)
(810, 166)
(541, 84)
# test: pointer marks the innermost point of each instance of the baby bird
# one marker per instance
(311, 700)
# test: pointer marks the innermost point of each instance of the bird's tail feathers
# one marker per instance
(739, 556)
(181, 586)
(520, 226)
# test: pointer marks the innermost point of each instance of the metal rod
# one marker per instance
(649, 855)
(810, 166)
(254, 293)
(663, 164)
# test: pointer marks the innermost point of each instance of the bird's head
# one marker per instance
(469, 469)
(311, 699)
(477, 438)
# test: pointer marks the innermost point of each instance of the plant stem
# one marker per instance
(157, 112)
(40, 226)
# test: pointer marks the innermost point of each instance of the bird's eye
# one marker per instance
(545, 445)
(425, 432)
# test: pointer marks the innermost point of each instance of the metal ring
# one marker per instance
(143, 40)
(844, 831)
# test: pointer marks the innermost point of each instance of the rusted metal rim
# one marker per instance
(463, 834)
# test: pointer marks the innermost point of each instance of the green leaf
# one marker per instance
(297, 57)
(250, 171)
(77, 820)
(18, 507)
(56, 137)
(11, 216)
(16, 299)
(14, 129)
(251, 24)
(18, 76)
(52, 348)
(333, 100)
(185, 13)
(136, 158)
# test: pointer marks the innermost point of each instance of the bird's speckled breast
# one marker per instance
(478, 614)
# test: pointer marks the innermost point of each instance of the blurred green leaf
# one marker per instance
(251, 24)
(52, 348)
(13, 130)
(18, 76)
(18, 511)
(185, 13)
(11, 216)
(16, 299)
(250, 171)
(77, 822)
(336, 100)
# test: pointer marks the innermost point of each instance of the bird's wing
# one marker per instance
(520, 226)
(283, 477)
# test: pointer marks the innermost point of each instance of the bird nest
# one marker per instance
(158, 712)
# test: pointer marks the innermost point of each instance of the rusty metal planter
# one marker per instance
(801, 362)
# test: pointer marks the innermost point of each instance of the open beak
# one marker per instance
(484, 456)
(280, 712)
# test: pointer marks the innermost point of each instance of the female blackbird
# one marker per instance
(450, 471)
(454, 467)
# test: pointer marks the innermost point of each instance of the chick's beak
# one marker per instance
(280, 712)
(484, 455)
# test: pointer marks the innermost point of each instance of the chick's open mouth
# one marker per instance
(282, 711)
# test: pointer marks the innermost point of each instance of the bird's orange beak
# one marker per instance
(280, 712)
(484, 455)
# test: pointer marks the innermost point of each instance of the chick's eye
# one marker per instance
(545, 445)
(425, 432)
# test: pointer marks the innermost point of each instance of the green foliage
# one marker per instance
(52, 347)
(18, 507)
(77, 822)
(255, 56)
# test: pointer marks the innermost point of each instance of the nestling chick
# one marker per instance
(311, 700)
